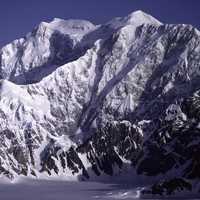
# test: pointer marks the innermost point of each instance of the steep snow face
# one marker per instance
(10, 91)
(67, 80)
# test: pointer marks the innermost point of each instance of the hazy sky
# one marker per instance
(17, 17)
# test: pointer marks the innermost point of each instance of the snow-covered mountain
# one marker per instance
(79, 99)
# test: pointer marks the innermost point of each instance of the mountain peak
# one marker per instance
(140, 17)
(67, 27)
(138, 13)
(136, 18)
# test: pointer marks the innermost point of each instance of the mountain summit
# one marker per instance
(83, 100)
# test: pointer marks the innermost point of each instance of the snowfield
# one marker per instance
(28, 189)
(32, 189)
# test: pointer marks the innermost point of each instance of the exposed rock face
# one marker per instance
(75, 96)
(174, 147)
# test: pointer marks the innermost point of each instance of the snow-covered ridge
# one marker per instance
(42, 50)
(54, 43)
